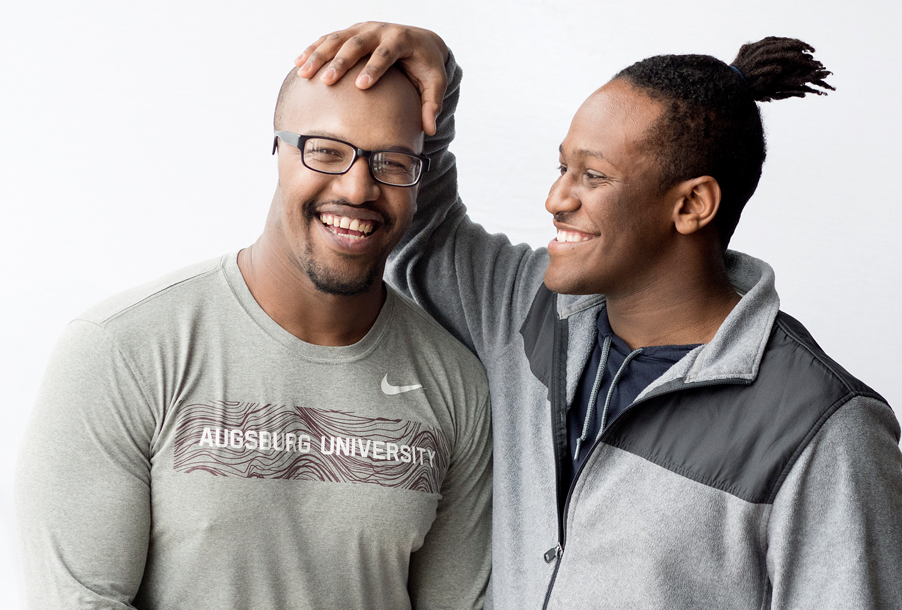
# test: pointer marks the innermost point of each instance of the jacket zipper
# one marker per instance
(558, 391)
(558, 549)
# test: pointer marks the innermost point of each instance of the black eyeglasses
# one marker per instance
(331, 156)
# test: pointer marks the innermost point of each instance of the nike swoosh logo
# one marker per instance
(391, 390)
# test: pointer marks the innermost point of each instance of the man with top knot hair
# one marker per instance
(665, 436)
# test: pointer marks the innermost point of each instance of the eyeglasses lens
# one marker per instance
(395, 168)
(333, 157)
(328, 155)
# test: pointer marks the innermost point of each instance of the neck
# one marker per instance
(682, 308)
(287, 295)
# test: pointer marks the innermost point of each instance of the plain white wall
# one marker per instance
(135, 139)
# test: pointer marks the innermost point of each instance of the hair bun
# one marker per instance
(775, 68)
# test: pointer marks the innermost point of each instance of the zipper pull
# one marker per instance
(553, 553)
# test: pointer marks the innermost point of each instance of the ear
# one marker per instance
(697, 203)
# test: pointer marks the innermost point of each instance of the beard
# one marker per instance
(329, 280)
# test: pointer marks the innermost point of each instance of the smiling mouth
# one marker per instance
(351, 228)
(572, 236)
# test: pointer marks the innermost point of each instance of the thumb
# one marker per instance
(432, 85)
(431, 110)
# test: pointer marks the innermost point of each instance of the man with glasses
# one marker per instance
(275, 428)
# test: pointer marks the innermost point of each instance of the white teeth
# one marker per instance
(345, 222)
(571, 236)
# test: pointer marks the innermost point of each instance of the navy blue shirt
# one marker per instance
(642, 369)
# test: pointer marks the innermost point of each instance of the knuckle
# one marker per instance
(334, 36)
(339, 62)
(356, 41)
(383, 52)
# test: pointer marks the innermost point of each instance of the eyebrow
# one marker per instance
(585, 152)
(395, 148)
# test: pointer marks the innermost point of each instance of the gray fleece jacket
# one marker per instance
(756, 473)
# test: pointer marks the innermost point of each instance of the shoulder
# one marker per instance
(153, 318)
(154, 298)
(809, 397)
(769, 421)
(797, 356)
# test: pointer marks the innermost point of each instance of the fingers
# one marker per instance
(339, 51)
(380, 41)
(302, 58)
(382, 58)
(349, 54)
(420, 53)
(324, 49)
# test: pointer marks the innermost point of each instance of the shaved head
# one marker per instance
(393, 97)
(337, 229)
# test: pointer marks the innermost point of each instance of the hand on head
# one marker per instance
(420, 53)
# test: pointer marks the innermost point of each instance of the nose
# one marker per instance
(562, 197)
(357, 185)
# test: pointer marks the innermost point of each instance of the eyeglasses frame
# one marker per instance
(298, 141)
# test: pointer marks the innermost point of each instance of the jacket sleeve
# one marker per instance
(478, 286)
(452, 568)
(83, 479)
(835, 533)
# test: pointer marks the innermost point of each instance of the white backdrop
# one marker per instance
(135, 139)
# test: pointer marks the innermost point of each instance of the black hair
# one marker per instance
(711, 125)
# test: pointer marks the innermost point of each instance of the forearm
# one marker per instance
(477, 285)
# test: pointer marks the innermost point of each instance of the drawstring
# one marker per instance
(605, 350)
(604, 413)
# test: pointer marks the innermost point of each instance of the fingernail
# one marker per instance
(363, 80)
(306, 66)
(330, 73)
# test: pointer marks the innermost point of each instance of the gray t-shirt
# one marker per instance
(188, 452)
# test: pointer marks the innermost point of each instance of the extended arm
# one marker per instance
(83, 479)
